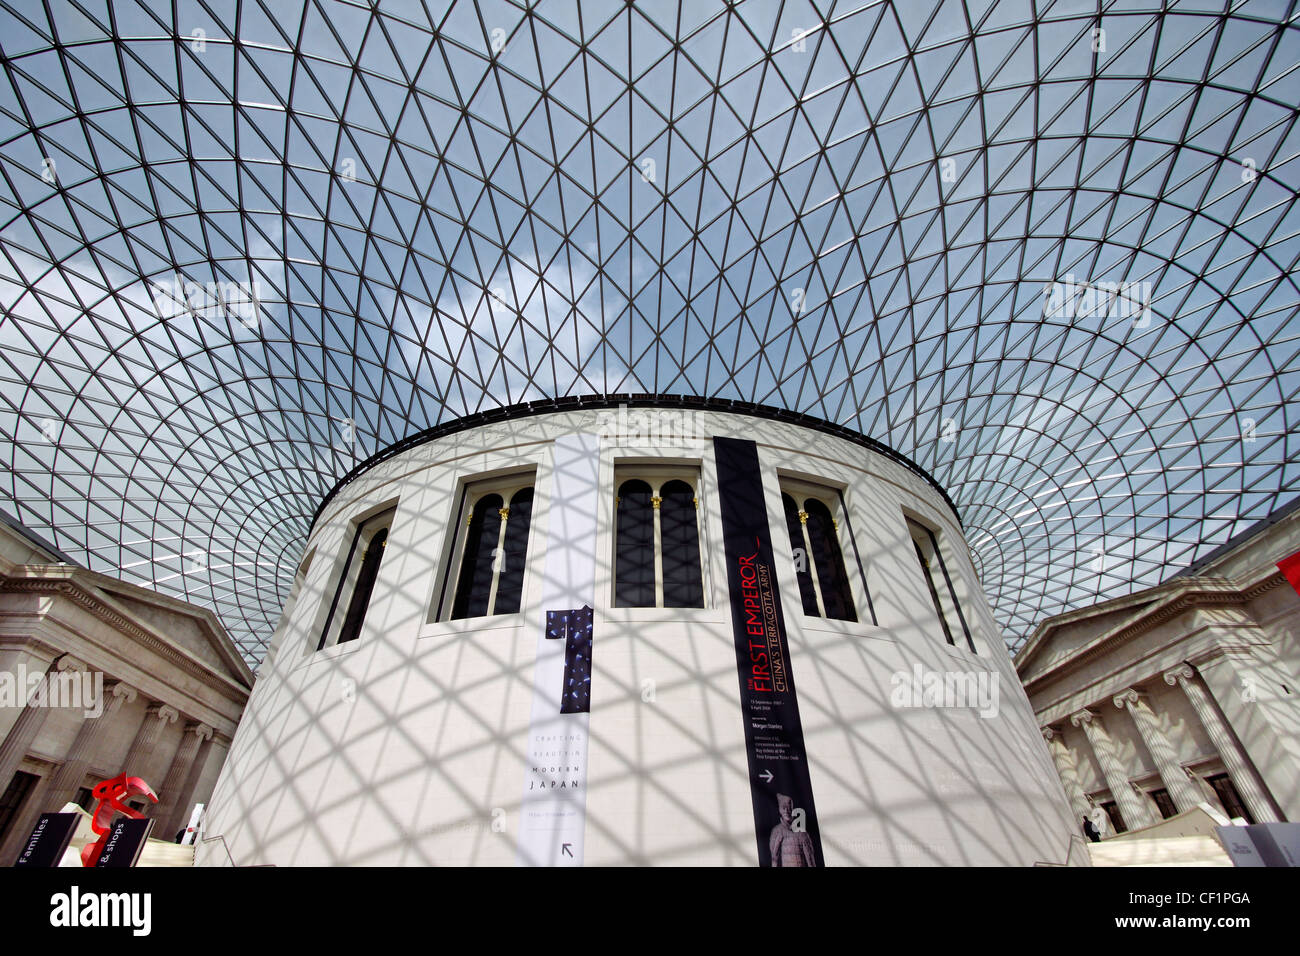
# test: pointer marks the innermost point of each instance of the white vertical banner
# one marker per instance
(552, 815)
(192, 829)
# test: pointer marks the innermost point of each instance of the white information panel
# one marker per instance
(553, 810)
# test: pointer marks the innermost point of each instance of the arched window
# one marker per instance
(474, 590)
(514, 549)
(926, 544)
(634, 562)
(818, 530)
(356, 585)
(828, 560)
(365, 585)
(802, 562)
(491, 554)
(657, 539)
(680, 536)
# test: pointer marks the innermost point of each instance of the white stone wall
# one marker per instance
(397, 748)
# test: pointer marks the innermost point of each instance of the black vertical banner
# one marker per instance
(575, 629)
(785, 820)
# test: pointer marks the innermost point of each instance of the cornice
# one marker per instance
(114, 588)
(513, 413)
(1042, 634)
(1183, 596)
(63, 585)
(29, 642)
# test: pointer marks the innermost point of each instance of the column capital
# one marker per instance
(1085, 716)
(1050, 733)
(199, 729)
(1180, 674)
(69, 663)
(168, 715)
(1126, 698)
(125, 691)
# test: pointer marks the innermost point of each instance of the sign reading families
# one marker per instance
(50, 837)
(785, 819)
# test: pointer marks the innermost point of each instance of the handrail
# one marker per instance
(224, 846)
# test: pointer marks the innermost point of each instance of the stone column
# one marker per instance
(170, 796)
(1246, 684)
(29, 723)
(146, 738)
(67, 779)
(1172, 775)
(64, 782)
(18, 661)
(1132, 809)
(1068, 771)
(208, 752)
(1239, 769)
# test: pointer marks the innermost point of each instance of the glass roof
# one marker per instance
(1046, 250)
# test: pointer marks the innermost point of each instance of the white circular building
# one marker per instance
(638, 631)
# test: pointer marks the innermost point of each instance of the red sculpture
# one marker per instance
(110, 794)
(1290, 568)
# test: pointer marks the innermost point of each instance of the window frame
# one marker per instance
(935, 538)
(1114, 816)
(18, 790)
(831, 496)
(657, 473)
(471, 490)
(1225, 790)
(343, 567)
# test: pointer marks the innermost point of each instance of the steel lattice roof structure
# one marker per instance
(1044, 249)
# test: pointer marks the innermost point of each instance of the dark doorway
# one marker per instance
(11, 801)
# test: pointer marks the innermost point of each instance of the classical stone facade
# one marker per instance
(1181, 694)
(98, 677)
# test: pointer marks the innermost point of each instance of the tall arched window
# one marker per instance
(657, 538)
(680, 536)
(799, 551)
(491, 553)
(938, 582)
(356, 615)
(514, 549)
(813, 519)
(828, 561)
(474, 589)
(356, 585)
(634, 561)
